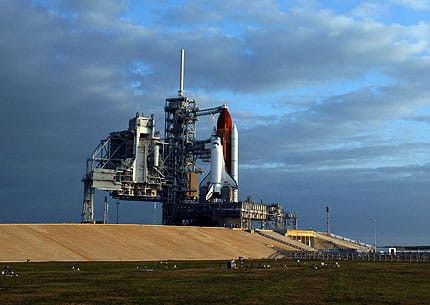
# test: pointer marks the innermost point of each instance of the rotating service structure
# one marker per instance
(136, 164)
(127, 164)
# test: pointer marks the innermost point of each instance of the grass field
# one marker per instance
(286, 282)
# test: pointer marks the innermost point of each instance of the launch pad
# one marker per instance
(136, 164)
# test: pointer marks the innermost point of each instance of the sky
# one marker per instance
(331, 99)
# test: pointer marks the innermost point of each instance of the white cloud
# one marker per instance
(414, 4)
(370, 10)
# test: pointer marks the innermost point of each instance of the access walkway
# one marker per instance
(285, 240)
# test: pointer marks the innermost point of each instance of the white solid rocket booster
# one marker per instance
(235, 160)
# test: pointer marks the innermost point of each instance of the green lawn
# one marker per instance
(285, 282)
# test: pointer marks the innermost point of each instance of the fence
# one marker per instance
(364, 257)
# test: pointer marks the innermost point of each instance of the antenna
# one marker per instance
(181, 76)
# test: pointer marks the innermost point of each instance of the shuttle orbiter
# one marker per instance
(222, 180)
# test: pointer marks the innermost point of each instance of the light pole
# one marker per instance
(154, 216)
(106, 211)
(374, 234)
(328, 220)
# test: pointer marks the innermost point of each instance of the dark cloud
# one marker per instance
(396, 197)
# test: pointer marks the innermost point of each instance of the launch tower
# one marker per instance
(136, 164)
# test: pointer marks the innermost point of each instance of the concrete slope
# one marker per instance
(84, 242)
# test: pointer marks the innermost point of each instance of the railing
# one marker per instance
(346, 239)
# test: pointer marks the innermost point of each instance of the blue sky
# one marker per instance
(331, 99)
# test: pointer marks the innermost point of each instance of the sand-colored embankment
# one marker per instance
(86, 242)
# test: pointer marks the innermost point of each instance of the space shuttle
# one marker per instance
(221, 183)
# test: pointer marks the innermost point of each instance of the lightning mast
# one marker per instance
(179, 160)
